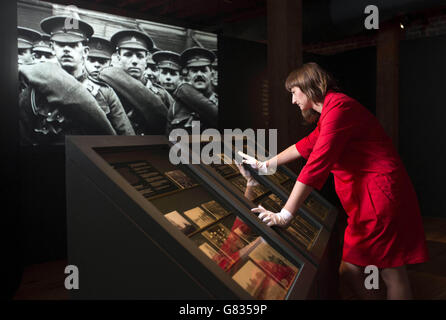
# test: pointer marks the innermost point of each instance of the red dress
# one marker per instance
(384, 221)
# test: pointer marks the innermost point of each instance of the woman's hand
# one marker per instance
(261, 166)
(250, 181)
(282, 218)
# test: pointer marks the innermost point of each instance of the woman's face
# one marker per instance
(305, 105)
(299, 98)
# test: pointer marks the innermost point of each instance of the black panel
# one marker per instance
(10, 187)
(421, 119)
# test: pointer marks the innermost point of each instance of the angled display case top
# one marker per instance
(283, 181)
(307, 231)
(202, 227)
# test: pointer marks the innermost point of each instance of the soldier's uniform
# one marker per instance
(162, 93)
(215, 71)
(102, 92)
(191, 104)
(214, 98)
(54, 103)
(145, 103)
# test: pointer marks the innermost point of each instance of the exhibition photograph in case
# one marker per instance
(85, 72)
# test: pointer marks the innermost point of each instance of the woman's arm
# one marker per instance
(270, 166)
(297, 197)
(287, 155)
(283, 218)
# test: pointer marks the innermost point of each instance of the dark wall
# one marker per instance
(29, 191)
(355, 72)
(10, 218)
(422, 113)
(242, 73)
(42, 203)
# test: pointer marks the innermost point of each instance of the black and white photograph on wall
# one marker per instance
(84, 72)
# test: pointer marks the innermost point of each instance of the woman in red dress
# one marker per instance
(384, 221)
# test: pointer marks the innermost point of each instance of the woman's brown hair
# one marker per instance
(312, 80)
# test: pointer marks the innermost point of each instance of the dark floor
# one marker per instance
(43, 282)
(429, 279)
(46, 281)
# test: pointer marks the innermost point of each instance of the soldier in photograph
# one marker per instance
(195, 100)
(114, 62)
(99, 56)
(152, 72)
(55, 102)
(42, 50)
(169, 66)
(25, 40)
(145, 103)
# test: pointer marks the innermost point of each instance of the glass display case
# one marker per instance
(168, 231)
(283, 181)
(319, 208)
(306, 232)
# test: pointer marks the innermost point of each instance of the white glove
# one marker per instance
(254, 163)
(282, 218)
(247, 175)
